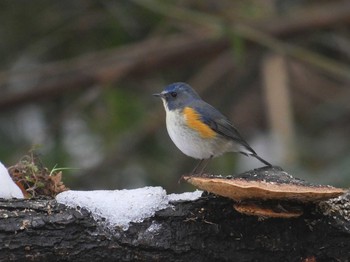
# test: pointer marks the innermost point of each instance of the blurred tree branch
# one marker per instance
(156, 53)
(308, 18)
(267, 36)
(323, 15)
(110, 66)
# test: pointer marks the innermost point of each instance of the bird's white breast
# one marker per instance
(189, 141)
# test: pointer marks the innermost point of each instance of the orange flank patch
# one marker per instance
(193, 121)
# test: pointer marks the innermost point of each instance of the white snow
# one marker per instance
(120, 207)
(187, 196)
(8, 188)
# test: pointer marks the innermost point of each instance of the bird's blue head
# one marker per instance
(177, 95)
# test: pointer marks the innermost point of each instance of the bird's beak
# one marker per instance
(161, 95)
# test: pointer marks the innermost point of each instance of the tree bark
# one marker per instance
(207, 229)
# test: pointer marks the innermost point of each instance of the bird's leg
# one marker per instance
(196, 167)
(193, 171)
(206, 161)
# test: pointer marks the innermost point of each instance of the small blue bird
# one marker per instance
(198, 129)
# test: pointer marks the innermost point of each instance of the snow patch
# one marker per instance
(187, 196)
(120, 207)
(8, 188)
(154, 228)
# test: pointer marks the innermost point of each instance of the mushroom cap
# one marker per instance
(266, 210)
(267, 183)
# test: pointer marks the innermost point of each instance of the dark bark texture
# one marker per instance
(207, 229)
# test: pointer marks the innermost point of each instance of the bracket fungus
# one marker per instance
(266, 191)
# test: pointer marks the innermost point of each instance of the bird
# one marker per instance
(198, 129)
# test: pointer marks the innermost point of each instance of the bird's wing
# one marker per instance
(220, 124)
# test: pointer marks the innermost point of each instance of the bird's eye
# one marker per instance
(173, 94)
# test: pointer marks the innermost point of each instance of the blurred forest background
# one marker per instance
(77, 77)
